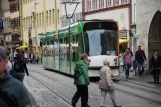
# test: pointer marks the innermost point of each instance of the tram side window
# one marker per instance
(60, 48)
(86, 40)
(67, 50)
(74, 43)
(79, 40)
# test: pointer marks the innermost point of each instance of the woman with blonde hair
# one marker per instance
(106, 84)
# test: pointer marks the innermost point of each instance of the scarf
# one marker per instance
(155, 57)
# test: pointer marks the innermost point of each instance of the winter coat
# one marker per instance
(84, 78)
(106, 78)
(15, 90)
(140, 56)
(155, 63)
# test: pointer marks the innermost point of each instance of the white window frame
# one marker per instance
(124, 1)
(95, 4)
(102, 4)
(89, 5)
(116, 2)
(109, 2)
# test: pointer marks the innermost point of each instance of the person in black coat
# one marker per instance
(156, 66)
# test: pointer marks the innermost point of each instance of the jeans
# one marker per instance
(127, 68)
(82, 91)
(121, 68)
(103, 96)
(20, 76)
(141, 68)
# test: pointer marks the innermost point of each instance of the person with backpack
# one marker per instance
(140, 59)
(20, 68)
(12, 92)
(81, 80)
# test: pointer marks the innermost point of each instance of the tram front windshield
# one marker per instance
(100, 42)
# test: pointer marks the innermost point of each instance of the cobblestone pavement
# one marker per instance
(52, 89)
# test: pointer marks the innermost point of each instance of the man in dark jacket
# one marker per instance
(15, 89)
(82, 83)
(140, 58)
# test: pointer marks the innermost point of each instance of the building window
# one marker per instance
(46, 18)
(14, 7)
(101, 4)
(109, 2)
(123, 1)
(49, 17)
(42, 18)
(15, 23)
(89, 5)
(53, 16)
(95, 4)
(116, 2)
(58, 15)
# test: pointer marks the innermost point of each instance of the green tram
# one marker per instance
(99, 39)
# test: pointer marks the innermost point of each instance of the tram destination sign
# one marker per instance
(100, 25)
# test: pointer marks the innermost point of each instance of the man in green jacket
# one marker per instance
(82, 83)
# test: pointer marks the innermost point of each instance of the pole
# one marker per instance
(56, 20)
(35, 24)
(21, 19)
(44, 21)
(69, 45)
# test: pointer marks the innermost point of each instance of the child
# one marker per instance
(121, 63)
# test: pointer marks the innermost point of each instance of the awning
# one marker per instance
(22, 47)
(123, 41)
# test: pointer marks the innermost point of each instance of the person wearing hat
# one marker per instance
(14, 88)
(82, 82)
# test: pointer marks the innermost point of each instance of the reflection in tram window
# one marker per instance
(100, 42)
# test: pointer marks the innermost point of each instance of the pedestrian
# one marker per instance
(121, 63)
(106, 84)
(25, 57)
(12, 87)
(82, 83)
(37, 58)
(156, 66)
(140, 58)
(127, 62)
(19, 67)
(9, 65)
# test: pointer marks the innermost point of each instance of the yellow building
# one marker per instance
(39, 16)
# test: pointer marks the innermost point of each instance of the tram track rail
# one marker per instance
(90, 97)
(137, 95)
(52, 91)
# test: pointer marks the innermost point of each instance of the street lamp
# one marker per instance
(69, 18)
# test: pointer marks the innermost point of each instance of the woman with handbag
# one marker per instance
(106, 84)
(156, 66)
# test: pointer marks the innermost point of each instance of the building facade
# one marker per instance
(148, 16)
(39, 16)
(1, 24)
(11, 24)
(119, 10)
(70, 9)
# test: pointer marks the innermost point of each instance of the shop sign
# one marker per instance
(123, 34)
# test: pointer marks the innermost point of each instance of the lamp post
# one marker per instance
(69, 18)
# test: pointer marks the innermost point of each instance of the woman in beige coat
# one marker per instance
(106, 84)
